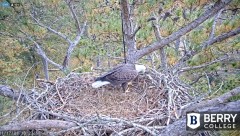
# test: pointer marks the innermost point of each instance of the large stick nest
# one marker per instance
(148, 103)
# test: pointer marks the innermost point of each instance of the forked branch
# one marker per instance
(40, 52)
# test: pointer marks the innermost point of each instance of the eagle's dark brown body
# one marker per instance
(119, 75)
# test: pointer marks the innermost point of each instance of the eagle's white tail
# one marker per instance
(99, 84)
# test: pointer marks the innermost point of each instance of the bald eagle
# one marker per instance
(119, 75)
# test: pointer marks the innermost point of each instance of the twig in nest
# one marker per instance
(59, 95)
(45, 81)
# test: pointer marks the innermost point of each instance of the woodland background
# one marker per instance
(42, 41)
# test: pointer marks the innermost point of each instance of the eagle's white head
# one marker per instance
(140, 68)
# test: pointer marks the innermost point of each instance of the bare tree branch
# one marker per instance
(221, 99)
(212, 33)
(145, 128)
(44, 56)
(10, 93)
(209, 84)
(162, 51)
(73, 45)
(51, 30)
(203, 65)
(41, 52)
(212, 41)
(45, 68)
(159, 44)
(163, 58)
(126, 16)
(38, 124)
(221, 37)
(196, 80)
(74, 16)
(135, 31)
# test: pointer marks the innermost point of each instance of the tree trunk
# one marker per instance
(129, 32)
(45, 68)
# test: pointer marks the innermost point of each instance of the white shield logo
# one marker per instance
(193, 120)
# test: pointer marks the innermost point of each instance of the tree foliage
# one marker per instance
(190, 43)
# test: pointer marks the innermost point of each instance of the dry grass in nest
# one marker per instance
(145, 99)
(78, 96)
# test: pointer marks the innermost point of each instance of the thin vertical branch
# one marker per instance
(212, 33)
(123, 41)
(177, 46)
(209, 84)
(77, 23)
(45, 68)
(164, 67)
(161, 50)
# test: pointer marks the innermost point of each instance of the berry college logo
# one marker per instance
(193, 120)
(213, 120)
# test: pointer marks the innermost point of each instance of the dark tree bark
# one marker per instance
(129, 30)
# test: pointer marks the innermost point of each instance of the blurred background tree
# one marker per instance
(101, 46)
